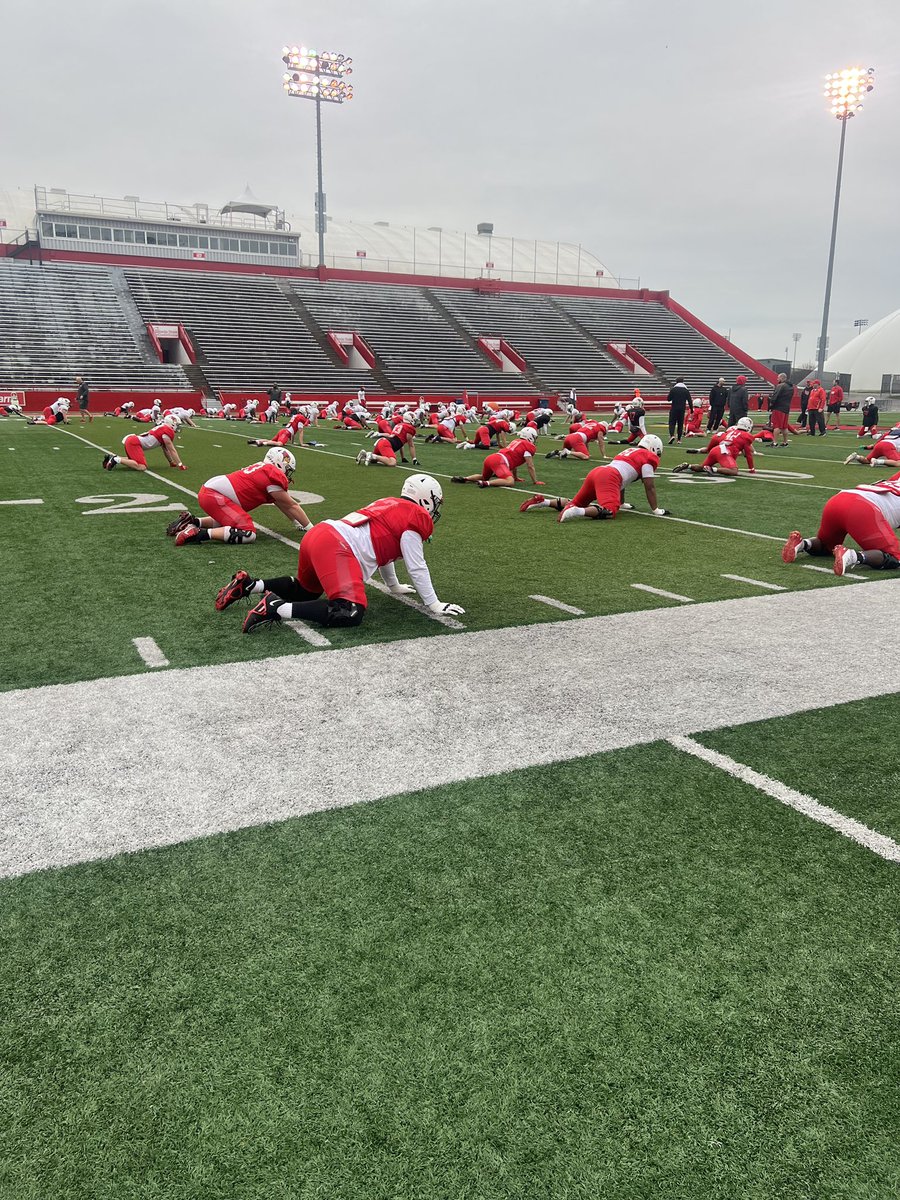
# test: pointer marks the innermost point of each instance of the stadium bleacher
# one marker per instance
(59, 321)
(418, 348)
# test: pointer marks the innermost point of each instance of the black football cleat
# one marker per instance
(264, 613)
(182, 521)
(238, 587)
(109, 462)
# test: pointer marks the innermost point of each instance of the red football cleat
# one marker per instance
(789, 549)
(531, 502)
(239, 586)
(191, 534)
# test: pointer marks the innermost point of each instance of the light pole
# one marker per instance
(320, 76)
(795, 337)
(860, 324)
(844, 91)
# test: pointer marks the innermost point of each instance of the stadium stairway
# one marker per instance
(528, 374)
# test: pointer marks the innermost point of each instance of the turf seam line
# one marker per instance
(878, 843)
(771, 587)
(645, 587)
(150, 652)
(567, 608)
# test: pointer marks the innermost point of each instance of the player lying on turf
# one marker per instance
(882, 454)
(723, 450)
(228, 501)
(161, 437)
(870, 514)
(603, 492)
(492, 432)
(384, 452)
(292, 432)
(499, 469)
(53, 414)
(338, 557)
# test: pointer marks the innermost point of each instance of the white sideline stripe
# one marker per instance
(21, 501)
(52, 813)
(878, 843)
(150, 652)
(442, 620)
(568, 608)
(309, 635)
(772, 587)
(830, 571)
(643, 587)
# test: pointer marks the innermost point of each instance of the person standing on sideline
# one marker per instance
(816, 409)
(679, 400)
(83, 397)
(835, 400)
(780, 409)
(804, 403)
(738, 401)
(276, 395)
(718, 397)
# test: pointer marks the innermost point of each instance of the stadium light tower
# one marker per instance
(319, 76)
(844, 91)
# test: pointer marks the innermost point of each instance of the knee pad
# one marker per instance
(890, 563)
(603, 513)
(342, 613)
(237, 537)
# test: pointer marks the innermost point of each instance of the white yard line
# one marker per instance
(878, 843)
(771, 587)
(439, 618)
(309, 635)
(767, 537)
(830, 571)
(21, 502)
(150, 652)
(643, 587)
(566, 608)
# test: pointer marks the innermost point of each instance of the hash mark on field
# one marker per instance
(643, 587)
(150, 652)
(772, 587)
(309, 635)
(21, 502)
(568, 608)
(830, 571)
(878, 843)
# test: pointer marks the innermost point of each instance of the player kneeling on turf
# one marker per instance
(870, 514)
(162, 437)
(722, 452)
(499, 470)
(602, 494)
(228, 501)
(338, 557)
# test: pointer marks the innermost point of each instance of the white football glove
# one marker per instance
(626, 507)
(403, 589)
(661, 512)
(447, 610)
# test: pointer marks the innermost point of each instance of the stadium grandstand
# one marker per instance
(140, 296)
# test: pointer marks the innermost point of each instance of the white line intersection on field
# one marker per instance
(327, 737)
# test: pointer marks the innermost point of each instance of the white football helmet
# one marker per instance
(529, 433)
(190, 413)
(426, 492)
(745, 423)
(174, 420)
(283, 459)
(65, 403)
(652, 443)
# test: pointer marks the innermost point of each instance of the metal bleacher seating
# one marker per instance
(58, 321)
(246, 332)
(418, 349)
(561, 356)
(672, 345)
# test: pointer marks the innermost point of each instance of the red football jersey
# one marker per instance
(636, 463)
(296, 421)
(737, 441)
(254, 484)
(388, 520)
(404, 431)
(516, 452)
(162, 431)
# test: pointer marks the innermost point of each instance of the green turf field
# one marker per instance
(96, 580)
(572, 981)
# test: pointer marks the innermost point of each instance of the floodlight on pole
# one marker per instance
(844, 92)
(320, 76)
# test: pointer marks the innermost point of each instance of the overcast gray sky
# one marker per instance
(685, 143)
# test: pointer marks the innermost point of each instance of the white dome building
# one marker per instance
(869, 357)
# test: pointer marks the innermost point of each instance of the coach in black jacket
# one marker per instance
(738, 400)
(679, 400)
(718, 398)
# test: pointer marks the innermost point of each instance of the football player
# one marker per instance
(492, 432)
(161, 437)
(870, 514)
(603, 492)
(54, 414)
(288, 435)
(723, 450)
(499, 469)
(338, 557)
(185, 416)
(884, 452)
(228, 500)
(386, 449)
(575, 445)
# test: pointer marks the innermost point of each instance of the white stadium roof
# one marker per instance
(870, 356)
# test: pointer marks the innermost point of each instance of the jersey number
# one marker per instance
(134, 502)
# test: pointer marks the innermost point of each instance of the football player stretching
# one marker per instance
(162, 437)
(338, 557)
(723, 451)
(870, 514)
(603, 492)
(228, 500)
(499, 470)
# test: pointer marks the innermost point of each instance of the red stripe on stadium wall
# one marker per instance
(100, 400)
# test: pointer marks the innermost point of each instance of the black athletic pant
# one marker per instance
(816, 419)
(803, 404)
(676, 420)
(716, 417)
